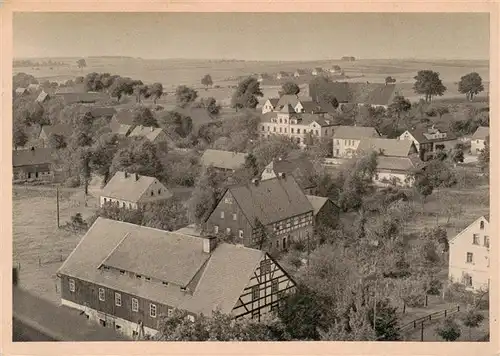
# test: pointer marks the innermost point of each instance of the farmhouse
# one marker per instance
(346, 139)
(300, 127)
(268, 214)
(132, 191)
(317, 71)
(128, 276)
(47, 131)
(469, 261)
(269, 105)
(153, 134)
(299, 72)
(325, 212)
(33, 164)
(298, 166)
(396, 171)
(223, 160)
(33, 87)
(282, 74)
(82, 98)
(387, 147)
(22, 91)
(102, 112)
(428, 141)
(478, 140)
(42, 97)
(122, 123)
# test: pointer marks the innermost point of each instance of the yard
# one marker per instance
(39, 247)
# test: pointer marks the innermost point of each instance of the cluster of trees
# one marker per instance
(29, 63)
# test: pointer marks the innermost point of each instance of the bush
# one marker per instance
(435, 287)
(415, 300)
(72, 182)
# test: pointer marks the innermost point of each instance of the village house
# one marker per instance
(300, 127)
(270, 105)
(33, 165)
(42, 97)
(153, 134)
(21, 91)
(33, 87)
(266, 214)
(469, 261)
(396, 171)
(428, 141)
(70, 98)
(346, 139)
(133, 191)
(326, 212)
(296, 165)
(387, 147)
(226, 161)
(282, 74)
(128, 277)
(317, 71)
(122, 123)
(478, 140)
(47, 131)
(299, 72)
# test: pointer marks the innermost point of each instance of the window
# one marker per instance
(284, 243)
(105, 200)
(135, 305)
(222, 215)
(262, 128)
(118, 299)
(122, 272)
(152, 310)
(274, 129)
(255, 292)
(71, 285)
(280, 130)
(101, 295)
(467, 280)
(293, 130)
(240, 234)
(265, 266)
(123, 205)
(164, 283)
(152, 193)
(117, 327)
(274, 286)
(216, 229)
(148, 279)
(469, 257)
(481, 225)
(102, 322)
(170, 312)
(234, 216)
(487, 241)
(317, 133)
(298, 131)
(475, 239)
(159, 191)
(281, 121)
(228, 230)
(228, 200)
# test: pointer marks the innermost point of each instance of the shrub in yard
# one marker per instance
(416, 300)
(472, 319)
(72, 182)
(435, 287)
(449, 330)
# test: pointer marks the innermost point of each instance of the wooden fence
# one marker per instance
(420, 322)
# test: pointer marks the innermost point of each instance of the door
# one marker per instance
(284, 243)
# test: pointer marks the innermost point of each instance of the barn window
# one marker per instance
(487, 241)
(216, 229)
(475, 239)
(222, 215)
(71, 285)
(274, 286)
(470, 257)
(101, 295)
(481, 225)
(234, 216)
(118, 299)
(135, 305)
(255, 292)
(152, 310)
(265, 266)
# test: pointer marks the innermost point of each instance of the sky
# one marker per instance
(253, 36)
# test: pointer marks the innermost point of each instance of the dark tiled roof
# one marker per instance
(481, 133)
(401, 164)
(102, 112)
(151, 133)
(31, 157)
(317, 202)
(420, 135)
(58, 129)
(127, 187)
(274, 101)
(354, 132)
(389, 147)
(271, 200)
(220, 279)
(223, 159)
(300, 167)
(42, 96)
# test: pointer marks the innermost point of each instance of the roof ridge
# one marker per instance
(114, 249)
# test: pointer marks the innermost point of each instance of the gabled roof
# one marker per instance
(31, 157)
(317, 202)
(288, 109)
(400, 164)
(300, 167)
(102, 112)
(89, 97)
(42, 96)
(124, 117)
(271, 200)
(486, 218)
(273, 101)
(420, 134)
(286, 100)
(128, 187)
(354, 132)
(389, 147)
(223, 159)
(481, 133)
(58, 129)
(221, 276)
(151, 133)
(21, 90)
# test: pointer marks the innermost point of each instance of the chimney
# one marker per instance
(32, 148)
(282, 175)
(209, 243)
(136, 176)
(255, 181)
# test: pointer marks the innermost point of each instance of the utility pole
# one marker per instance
(57, 204)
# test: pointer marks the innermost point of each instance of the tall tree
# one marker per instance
(185, 95)
(140, 157)
(20, 138)
(81, 63)
(207, 81)
(399, 106)
(211, 105)
(289, 88)
(57, 141)
(156, 91)
(143, 116)
(470, 85)
(246, 93)
(176, 122)
(428, 83)
(484, 157)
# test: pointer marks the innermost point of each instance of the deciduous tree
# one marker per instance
(428, 83)
(289, 88)
(246, 94)
(449, 330)
(470, 85)
(207, 81)
(185, 95)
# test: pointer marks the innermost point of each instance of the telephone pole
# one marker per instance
(57, 204)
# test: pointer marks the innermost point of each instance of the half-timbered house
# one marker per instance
(129, 277)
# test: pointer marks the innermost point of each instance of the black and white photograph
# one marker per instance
(251, 176)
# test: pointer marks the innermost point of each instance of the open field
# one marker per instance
(39, 247)
(172, 73)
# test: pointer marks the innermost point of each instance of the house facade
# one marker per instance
(429, 141)
(395, 171)
(326, 212)
(153, 134)
(478, 140)
(267, 214)
(346, 139)
(33, 165)
(469, 256)
(298, 166)
(269, 105)
(131, 191)
(129, 277)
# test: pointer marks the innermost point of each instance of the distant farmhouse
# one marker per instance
(133, 191)
(42, 97)
(122, 123)
(317, 71)
(469, 261)
(348, 59)
(21, 91)
(266, 214)
(429, 141)
(299, 72)
(64, 130)
(373, 94)
(33, 165)
(325, 212)
(128, 276)
(153, 134)
(478, 140)
(346, 139)
(223, 160)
